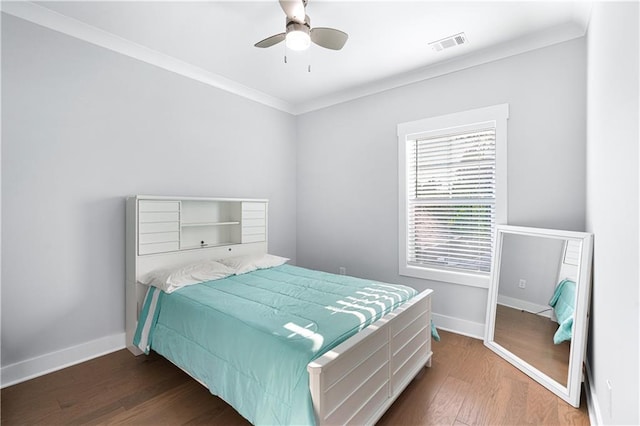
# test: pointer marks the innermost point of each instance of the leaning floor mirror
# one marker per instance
(538, 304)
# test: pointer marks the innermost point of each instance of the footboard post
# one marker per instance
(315, 387)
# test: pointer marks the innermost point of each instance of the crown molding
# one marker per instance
(55, 21)
(549, 37)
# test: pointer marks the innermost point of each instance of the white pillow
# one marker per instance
(171, 279)
(251, 262)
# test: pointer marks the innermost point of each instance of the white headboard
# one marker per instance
(163, 232)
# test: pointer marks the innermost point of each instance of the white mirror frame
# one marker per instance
(570, 393)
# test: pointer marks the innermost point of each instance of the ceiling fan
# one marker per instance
(299, 34)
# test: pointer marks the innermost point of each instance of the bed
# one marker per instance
(563, 300)
(342, 359)
(563, 303)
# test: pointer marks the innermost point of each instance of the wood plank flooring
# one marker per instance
(466, 385)
(530, 337)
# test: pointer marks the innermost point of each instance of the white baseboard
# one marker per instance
(459, 326)
(593, 406)
(38, 366)
(534, 308)
(34, 367)
(47, 363)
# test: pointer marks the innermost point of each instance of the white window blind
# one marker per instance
(452, 179)
(451, 188)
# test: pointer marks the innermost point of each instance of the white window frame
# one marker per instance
(496, 115)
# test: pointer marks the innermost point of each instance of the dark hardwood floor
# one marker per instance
(466, 385)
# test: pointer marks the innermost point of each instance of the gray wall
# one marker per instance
(534, 259)
(347, 164)
(612, 209)
(83, 127)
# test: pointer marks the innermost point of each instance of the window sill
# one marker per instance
(452, 277)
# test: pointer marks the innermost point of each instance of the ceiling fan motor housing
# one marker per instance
(305, 26)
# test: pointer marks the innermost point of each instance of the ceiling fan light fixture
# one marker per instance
(298, 40)
(298, 37)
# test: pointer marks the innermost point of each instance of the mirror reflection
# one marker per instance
(536, 301)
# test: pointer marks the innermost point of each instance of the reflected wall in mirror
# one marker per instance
(538, 302)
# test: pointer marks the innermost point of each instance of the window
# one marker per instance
(452, 173)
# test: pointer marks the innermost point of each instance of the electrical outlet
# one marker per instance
(342, 270)
(522, 283)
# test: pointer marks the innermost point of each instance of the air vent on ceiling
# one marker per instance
(445, 43)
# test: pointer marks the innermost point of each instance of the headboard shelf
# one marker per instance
(208, 245)
(209, 223)
(168, 224)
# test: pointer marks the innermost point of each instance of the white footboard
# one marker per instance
(359, 379)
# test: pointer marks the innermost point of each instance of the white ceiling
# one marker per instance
(387, 46)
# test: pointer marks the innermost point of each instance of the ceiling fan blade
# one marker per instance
(270, 41)
(329, 38)
(294, 9)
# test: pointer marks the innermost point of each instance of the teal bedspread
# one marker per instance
(563, 303)
(250, 337)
